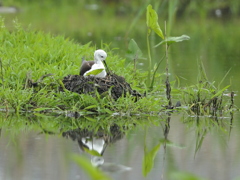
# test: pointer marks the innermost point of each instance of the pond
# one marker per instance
(201, 147)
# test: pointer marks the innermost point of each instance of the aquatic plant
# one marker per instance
(134, 51)
(207, 98)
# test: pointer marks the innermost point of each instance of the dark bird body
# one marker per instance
(90, 68)
(86, 66)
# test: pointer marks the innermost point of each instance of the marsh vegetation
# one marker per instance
(183, 73)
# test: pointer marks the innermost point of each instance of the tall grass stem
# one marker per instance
(149, 59)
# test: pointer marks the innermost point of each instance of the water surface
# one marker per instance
(206, 148)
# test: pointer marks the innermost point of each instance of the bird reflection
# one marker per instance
(95, 144)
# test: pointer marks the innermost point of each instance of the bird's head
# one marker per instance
(100, 55)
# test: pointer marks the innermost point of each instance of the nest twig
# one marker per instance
(88, 85)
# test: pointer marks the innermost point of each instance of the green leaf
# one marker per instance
(152, 22)
(90, 119)
(95, 72)
(108, 111)
(90, 107)
(170, 40)
(93, 172)
(220, 92)
(148, 159)
(133, 50)
(91, 152)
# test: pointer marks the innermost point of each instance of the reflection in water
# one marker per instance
(167, 128)
(95, 143)
(202, 127)
(205, 125)
(211, 148)
(166, 131)
(231, 123)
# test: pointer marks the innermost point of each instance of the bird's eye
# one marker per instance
(101, 56)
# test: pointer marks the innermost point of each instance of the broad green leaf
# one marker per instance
(93, 172)
(95, 72)
(148, 159)
(170, 40)
(92, 152)
(152, 22)
(133, 50)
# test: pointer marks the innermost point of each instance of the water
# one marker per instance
(204, 147)
(30, 154)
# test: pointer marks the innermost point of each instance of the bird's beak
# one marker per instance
(108, 72)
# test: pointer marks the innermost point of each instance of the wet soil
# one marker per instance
(113, 84)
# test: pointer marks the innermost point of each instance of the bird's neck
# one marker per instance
(98, 61)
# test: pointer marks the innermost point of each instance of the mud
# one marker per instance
(113, 84)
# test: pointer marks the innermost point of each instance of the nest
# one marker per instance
(112, 84)
(115, 133)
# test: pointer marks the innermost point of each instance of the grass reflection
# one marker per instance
(204, 125)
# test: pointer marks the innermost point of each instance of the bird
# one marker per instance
(95, 68)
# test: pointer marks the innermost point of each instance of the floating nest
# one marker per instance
(112, 84)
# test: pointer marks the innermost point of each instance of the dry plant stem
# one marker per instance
(232, 100)
(168, 86)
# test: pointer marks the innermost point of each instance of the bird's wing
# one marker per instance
(86, 66)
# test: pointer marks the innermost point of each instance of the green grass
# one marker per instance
(29, 55)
